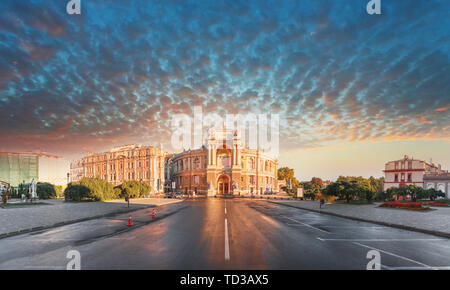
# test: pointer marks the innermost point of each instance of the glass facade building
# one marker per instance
(18, 168)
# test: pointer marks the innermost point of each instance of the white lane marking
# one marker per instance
(380, 240)
(394, 255)
(227, 246)
(45, 267)
(387, 267)
(353, 227)
(225, 210)
(417, 268)
(309, 226)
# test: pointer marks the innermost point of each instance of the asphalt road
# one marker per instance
(224, 234)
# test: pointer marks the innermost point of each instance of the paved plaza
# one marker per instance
(436, 221)
(57, 212)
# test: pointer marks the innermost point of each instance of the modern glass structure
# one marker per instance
(17, 168)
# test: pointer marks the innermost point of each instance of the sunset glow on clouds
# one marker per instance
(114, 75)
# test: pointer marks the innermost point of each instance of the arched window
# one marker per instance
(251, 163)
(196, 163)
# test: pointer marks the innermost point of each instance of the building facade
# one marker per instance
(438, 181)
(125, 163)
(76, 170)
(409, 171)
(223, 166)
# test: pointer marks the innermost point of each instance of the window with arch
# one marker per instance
(196, 163)
(251, 163)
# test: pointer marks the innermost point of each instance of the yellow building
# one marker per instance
(223, 166)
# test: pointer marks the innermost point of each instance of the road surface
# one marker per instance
(218, 233)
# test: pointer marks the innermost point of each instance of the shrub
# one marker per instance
(90, 189)
(414, 192)
(327, 198)
(434, 194)
(311, 196)
(384, 195)
(45, 190)
(76, 192)
(369, 195)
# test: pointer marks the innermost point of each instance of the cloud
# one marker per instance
(443, 109)
(118, 72)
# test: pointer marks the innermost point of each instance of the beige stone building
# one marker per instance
(130, 162)
(223, 166)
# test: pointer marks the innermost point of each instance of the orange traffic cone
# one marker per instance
(153, 214)
(130, 222)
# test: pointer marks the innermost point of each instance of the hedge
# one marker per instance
(93, 189)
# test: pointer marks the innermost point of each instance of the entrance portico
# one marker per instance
(223, 184)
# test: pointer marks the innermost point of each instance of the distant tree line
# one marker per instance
(350, 188)
(44, 190)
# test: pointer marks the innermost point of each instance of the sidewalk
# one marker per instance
(436, 222)
(57, 212)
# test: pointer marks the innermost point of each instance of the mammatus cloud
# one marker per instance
(116, 73)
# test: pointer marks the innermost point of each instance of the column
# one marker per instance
(211, 154)
(238, 157)
(155, 176)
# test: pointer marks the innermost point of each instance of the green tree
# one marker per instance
(134, 189)
(349, 187)
(433, 193)
(339, 189)
(316, 182)
(312, 193)
(388, 194)
(410, 191)
(369, 195)
(286, 173)
(312, 188)
(377, 184)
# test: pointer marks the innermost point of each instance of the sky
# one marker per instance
(353, 90)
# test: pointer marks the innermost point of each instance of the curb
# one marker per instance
(403, 227)
(24, 231)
